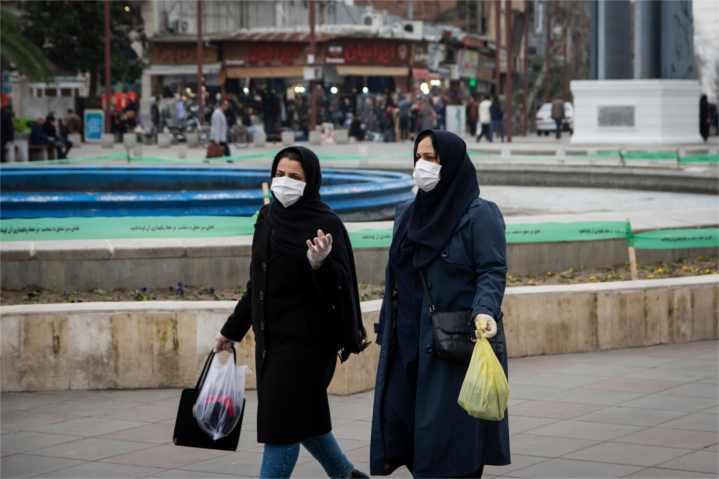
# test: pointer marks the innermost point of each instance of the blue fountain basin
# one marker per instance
(61, 192)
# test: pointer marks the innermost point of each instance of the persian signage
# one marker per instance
(367, 52)
(259, 54)
(178, 53)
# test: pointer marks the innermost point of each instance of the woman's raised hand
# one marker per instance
(318, 252)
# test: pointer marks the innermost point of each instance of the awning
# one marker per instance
(264, 72)
(372, 71)
(207, 68)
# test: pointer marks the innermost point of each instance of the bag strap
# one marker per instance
(206, 367)
(426, 292)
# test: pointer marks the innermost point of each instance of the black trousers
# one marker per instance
(227, 147)
(484, 131)
(404, 128)
(472, 127)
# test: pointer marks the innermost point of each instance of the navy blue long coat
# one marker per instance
(470, 273)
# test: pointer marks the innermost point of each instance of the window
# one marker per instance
(50, 91)
(66, 92)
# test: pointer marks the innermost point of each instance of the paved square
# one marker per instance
(643, 413)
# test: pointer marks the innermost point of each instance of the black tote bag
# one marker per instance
(188, 432)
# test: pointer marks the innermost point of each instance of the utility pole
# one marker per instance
(498, 41)
(108, 70)
(200, 57)
(510, 68)
(564, 71)
(526, 66)
(313, 87)
(548, 60)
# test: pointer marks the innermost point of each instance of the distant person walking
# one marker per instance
(427, 114)
(485, 118)
(558, 115)
(704, 118)
(472, 115)
(218, 133)
(496, 114)
(155, 115)
(404, 107)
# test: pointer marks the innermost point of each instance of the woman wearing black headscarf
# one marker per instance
(457, 240)
(302, 302)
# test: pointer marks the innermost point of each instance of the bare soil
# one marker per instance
(181, 292)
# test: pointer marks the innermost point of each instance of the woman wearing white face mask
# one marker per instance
(451, 242)
(302, 302)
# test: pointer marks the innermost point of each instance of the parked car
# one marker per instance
(545, 124)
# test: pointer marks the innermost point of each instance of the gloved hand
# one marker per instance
(222, 343)
(318, 252)
(488, 330)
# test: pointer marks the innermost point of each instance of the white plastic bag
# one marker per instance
(219, 404)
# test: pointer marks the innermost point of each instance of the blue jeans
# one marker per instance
(559, 128)
(496, 124)
(278, 461)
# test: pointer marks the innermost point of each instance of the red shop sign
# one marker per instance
(284, 52)
(364, 52)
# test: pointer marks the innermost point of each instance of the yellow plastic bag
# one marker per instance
(485, 391)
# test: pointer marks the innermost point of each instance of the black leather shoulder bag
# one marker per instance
(454, 332)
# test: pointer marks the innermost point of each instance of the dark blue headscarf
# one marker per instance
(431, 219)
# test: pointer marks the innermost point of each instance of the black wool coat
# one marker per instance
(290, 308)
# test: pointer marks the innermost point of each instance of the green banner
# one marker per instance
(662, 155)
(700, 159)
(131, 227)
(554, 232)
(371, 238)
(685, 238)
(44, 229)
(650, 155)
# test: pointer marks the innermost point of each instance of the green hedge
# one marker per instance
(21, 124)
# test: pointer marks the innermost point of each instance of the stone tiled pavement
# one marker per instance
(647, 412)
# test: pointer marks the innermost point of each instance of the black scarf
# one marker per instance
(430, 220)
(293, 226)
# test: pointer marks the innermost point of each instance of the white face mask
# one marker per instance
(287, 191)
(426, 174)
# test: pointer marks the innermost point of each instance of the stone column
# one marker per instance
(146, 100)
(614, 30)
(647, 39)
(677, 46)
(19, 92)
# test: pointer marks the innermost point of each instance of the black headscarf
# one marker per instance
(431, 219)
(293, 226)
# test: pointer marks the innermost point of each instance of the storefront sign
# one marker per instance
(467, 63)
(436, 51)
(179, 53)
(367, 52)
(420, 55)
(258, 54)
(485, 68)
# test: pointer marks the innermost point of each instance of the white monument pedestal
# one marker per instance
(640, 112)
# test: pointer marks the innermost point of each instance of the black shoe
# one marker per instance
(357, 473)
